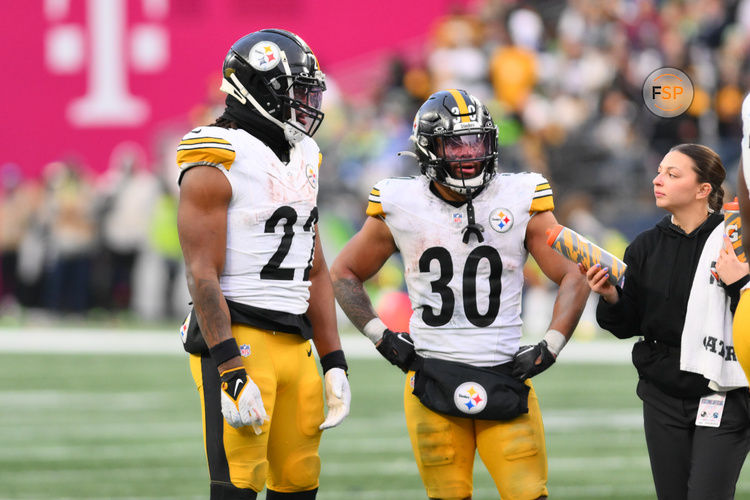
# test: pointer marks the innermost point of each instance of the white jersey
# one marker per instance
(466, 298)
(271, 216)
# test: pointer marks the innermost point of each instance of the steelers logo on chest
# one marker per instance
(312, 176)
(501, 220)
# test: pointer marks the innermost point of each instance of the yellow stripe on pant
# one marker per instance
(285, 455)
(741, 332)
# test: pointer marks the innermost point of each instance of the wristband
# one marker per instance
(334, 359)
(555, 341)
(374, 329)
(739, 285)
(229, 374)
(224, 351)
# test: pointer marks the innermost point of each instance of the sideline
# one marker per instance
(50, 340)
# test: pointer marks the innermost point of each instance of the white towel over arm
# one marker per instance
(707, 346)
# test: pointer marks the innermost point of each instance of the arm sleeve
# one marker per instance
(542, 199)
(622, 319)
(197, 150)
(375, 203)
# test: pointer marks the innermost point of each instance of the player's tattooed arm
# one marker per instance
(351, 296)
(201, 223)
(211, 309)
(321, 310)
(357, 262)
(573, 291)
(212, 313)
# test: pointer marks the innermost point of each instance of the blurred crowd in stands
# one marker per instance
(563, 81)
(72, 243)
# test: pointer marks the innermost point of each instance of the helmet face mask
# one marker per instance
(455, 141)
(275, 73)
(303, 102)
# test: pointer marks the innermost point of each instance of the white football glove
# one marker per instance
(338, 397)
(241, 403)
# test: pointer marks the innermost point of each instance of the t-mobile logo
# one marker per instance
(108, 48)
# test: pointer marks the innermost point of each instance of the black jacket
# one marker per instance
(653, 301)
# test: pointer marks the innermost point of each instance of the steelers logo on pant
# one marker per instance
(470, 398)
(184, 327)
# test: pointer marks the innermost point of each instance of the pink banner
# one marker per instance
(82, 76)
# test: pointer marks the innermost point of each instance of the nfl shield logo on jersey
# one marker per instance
(470, 398)
(501, 220)
(244, 350)
(458, 218)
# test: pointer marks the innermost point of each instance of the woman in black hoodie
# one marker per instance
(687, 461)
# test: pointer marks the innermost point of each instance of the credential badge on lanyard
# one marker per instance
(710, 410)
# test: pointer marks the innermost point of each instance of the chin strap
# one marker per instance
(473, 227)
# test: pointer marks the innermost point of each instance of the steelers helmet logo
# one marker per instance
(470, 398)
(265, 56)
(501, 220)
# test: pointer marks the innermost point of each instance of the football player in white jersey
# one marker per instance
(260, 286)
(464, 233)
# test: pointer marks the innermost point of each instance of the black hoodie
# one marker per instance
(661, 266)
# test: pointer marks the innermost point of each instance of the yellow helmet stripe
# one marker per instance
(462, 107)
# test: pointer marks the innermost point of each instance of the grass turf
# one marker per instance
(128, 427)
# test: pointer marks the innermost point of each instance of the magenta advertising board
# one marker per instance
(82, 76)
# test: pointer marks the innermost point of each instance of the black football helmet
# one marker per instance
(454, 134)
(275, 73)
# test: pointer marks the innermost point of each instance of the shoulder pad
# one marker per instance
(205, 146)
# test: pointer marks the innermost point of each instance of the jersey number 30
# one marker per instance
(273, 270)
(440, 285)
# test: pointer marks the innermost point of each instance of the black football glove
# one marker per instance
(398, 348)
(532, 360)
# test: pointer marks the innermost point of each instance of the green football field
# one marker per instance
(128, 427)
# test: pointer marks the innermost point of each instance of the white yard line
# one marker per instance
(49, 340)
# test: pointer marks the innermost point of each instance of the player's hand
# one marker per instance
(338, 397)
(596, 277)
(532, 360)
(398, 348)
(728, 266)
(241, 403)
